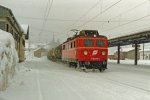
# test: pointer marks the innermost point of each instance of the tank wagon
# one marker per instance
(55, 53)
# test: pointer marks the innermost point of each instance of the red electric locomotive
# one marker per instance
(88, 50)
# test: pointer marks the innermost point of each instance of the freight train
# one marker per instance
(86, 50)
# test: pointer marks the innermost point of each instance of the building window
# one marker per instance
(7, 27)
(68, 46)
(74, 44)
(23, 42)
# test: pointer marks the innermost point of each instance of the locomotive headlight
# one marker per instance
(85, 52)
(103, 53)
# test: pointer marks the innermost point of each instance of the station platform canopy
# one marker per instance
(136, 38)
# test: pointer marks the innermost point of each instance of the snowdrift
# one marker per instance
(8, 58)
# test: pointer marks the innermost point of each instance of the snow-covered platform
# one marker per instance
(46, 80)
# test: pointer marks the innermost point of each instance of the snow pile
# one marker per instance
(127, 61)
(8, 58)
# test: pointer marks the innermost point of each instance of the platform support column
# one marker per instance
(143, 51)
(136, 54)
(118, 60)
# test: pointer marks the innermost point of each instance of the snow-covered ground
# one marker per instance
(127, 61)
(47, 80)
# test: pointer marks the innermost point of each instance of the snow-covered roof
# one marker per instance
(145, 50)
(127, 49)
(25, 28)
(9, 14)
(124, 50)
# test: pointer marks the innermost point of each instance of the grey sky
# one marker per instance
(125, 17)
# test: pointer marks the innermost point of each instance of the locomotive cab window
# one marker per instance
(100, 43)
(88, 43)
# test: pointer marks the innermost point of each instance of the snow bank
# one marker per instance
(140, 62)
(8, 58)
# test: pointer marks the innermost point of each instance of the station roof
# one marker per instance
(7, 13)
(140, 37)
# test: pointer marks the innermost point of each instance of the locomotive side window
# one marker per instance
(71, 44)
(100, 43)
(74, 44)
(67, 46)
(88, 43)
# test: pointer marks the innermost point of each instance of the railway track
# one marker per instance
(129, 85)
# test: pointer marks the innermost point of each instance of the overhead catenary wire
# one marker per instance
(87, 12)
(45, 14)
(127, 23)
(44, 17)
(138, 28)
(105, 10)
(63, 20)
(130, 32)
(45, 30)
(70, 20)
(101, 13)
(129, 10)
(48, 12)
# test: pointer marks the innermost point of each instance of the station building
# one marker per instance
(9, 24)
(146, 55)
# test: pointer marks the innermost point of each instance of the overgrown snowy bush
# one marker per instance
(8, 58)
